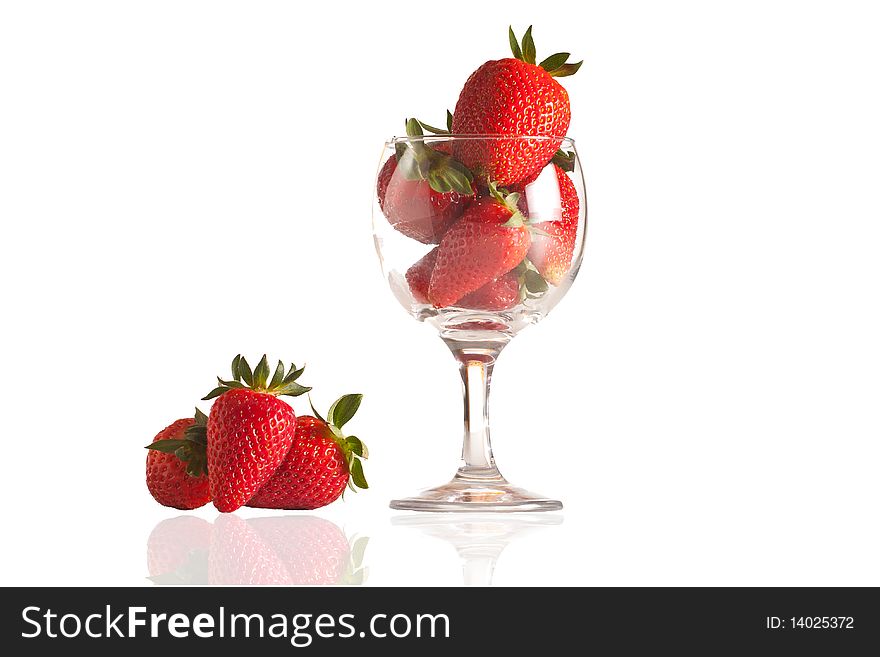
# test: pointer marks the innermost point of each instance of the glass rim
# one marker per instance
(458, 137)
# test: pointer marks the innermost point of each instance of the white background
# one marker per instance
(181, 181)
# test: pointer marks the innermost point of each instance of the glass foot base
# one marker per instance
(462, 494)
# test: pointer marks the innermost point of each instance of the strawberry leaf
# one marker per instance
(438, 182)
(564, 160)
(292, 389)
(278, 377)
(516, 220)
(246, 374)
(458, 178)
(167, 446)
(432, 129)
(357, 474)
(357, 446)
(514, 44)
(534, 282)
(235, 364)
(216, 392)
(414, 128)
(566, 70)
(261, 374)
(449, 121)
(343, 409)
(553, 62)
(528, 47)
(201, 418)
(315, 411)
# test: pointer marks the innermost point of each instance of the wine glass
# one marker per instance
(479, 236)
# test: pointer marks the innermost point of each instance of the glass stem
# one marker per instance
(476, 367)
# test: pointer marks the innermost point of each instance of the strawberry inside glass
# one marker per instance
(480, 230)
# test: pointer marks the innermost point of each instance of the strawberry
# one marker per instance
(551, 253)
(320, 463)
(250, 430)
(513, 97)
(419, 275)
(176, 464)
(489, 240)
(421, 189)
(500, 294)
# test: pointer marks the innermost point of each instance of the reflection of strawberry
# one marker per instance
(551, 254)
(421, 189)
(313, 550)
(488, 241)
(320, 463)
(250, 430)
(177, 551)
(514, 97)
(176, 464)
(239, 555)
(500, 294)
(283, 550)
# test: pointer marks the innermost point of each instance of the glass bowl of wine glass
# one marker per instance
(479, 236)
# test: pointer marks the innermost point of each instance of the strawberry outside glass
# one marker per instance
(479, 236)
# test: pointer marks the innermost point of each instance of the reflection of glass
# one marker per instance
(479, 539)
(479, 262)
(269, 550)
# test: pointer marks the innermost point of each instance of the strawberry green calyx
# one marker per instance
(511, 201)
(418, 161)
(438, 131)
(531, 284)
(564, 160)
(353, 448)
(556, 65)
(258, 379)
(192, 449)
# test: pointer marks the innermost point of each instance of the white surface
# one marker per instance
(180, 181)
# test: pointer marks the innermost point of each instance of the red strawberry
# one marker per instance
(488, 241)
(176, 464)
(419, 275)
(415, 209)
(320, 463)
(250, 430)
(421, 189)
(551, 254)
(500, 294)
(177, 551)
(513, 97)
